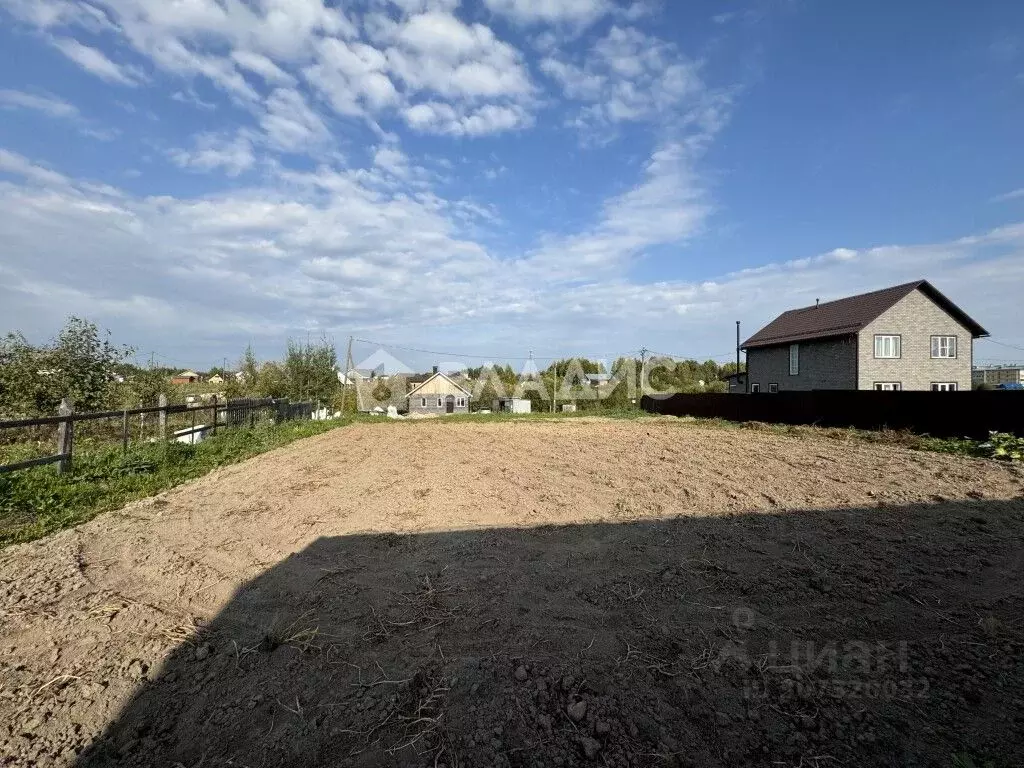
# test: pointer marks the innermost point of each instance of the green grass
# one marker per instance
(901, 438)
(37, 502)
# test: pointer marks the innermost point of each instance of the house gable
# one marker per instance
(439, 384)
(915, 319)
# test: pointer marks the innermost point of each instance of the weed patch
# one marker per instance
(38, 502)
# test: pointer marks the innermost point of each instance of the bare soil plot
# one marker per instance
(616, 593)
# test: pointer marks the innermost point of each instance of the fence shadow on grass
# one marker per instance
(868, 636)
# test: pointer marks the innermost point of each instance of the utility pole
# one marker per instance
(554, 385)
(348, 368)
(737, 346)
(643, 361)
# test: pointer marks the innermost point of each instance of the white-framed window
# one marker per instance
(888, 386)
(944, 386)
(461, 402)
(794, 361)
(943, 346)
(440, 402)
(888, 346)
(773, 389)
(754, 388)
(423, 402)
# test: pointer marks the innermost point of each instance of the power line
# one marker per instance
(479, 357)
(1003, 344)
(691, 357)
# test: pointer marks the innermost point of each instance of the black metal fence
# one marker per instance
(188, 423)
(287, 411)
(940, 414)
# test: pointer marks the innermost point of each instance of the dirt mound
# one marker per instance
(530, 594)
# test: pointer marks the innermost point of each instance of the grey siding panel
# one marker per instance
(916, 318)
(826, 364)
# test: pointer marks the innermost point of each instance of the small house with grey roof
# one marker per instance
(907, 337)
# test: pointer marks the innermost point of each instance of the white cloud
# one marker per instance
(48, 105)
(95, 61)
(57, 108)
(436, 52)
(438, 117)
(262, 66)
(13, 163)
(668, 207)
(290, 124)
(333, 251)
(190, 97)
(1015, 194)
(574, 12)
(628, 76)
(280, 29)
(411, 7)
(392, 160)
(212, 152)
(51, 13)
(372, 66)
(352, 76)
(171, 55)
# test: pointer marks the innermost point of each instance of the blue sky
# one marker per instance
(490, 177)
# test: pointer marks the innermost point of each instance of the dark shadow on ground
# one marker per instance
(860, 637)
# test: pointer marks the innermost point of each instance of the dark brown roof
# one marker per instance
(844, 317)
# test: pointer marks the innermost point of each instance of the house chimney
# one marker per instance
(817, 303)
(435, 369)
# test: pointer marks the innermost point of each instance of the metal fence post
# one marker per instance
(162, 402)
(65, 436)
(215, 415)
(124, 432)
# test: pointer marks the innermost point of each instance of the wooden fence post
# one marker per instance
(65, 436)
(162, 402)
(215, 415)
(124, 432)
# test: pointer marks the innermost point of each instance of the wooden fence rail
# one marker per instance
(241, 412)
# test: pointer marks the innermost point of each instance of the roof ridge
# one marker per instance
(850, 314)
(909, 286)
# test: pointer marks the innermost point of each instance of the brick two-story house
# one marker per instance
(908, 337)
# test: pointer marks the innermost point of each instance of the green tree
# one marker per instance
(271, 381)
(81, 364)
(311, 370)
(568, 365)
(142, 388)
(249, 370)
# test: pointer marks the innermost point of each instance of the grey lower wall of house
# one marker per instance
(826, 364)
(737, 385)
(916, 318)
(416, 406)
